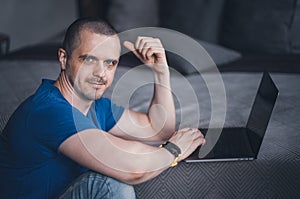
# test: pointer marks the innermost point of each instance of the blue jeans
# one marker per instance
(93, 185)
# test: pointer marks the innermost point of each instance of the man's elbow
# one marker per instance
(170, 128)
(134, 178)
(170, 125)
(165, 134)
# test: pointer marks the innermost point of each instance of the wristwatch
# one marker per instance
(174, 149)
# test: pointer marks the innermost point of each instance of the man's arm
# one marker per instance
(159, 123)
(128, 161)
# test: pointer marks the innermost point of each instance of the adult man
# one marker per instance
(67, 129)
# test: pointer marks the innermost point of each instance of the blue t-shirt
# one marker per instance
(31, 165)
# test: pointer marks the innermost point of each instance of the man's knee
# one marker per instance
(119, 189)
(109, 187)
(95, 185)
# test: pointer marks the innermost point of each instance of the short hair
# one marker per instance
(95, 25)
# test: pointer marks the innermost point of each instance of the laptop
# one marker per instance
(240, 143)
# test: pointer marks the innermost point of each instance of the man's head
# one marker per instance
(89, 57)
(94, 25)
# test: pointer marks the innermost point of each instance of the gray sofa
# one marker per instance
(241, 53)
(275, 174)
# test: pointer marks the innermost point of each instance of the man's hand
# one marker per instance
(187, 139)
(150, 51)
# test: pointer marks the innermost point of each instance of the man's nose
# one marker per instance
(100, 70)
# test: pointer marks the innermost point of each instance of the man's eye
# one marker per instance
(110, 63)
(89, 60)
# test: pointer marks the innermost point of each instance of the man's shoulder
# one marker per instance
(47, 92)
(47, 100)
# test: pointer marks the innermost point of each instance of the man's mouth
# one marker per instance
(97, 81)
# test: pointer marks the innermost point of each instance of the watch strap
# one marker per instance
(173, 149)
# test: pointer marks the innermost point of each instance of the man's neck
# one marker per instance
(70, 95)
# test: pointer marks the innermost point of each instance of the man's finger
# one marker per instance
(130, 46)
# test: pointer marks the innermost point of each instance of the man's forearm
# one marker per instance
(159, 123)
(128, 161)
(162, 109)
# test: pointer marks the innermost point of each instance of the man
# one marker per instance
(67, 141)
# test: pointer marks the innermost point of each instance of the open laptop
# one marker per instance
(240, 143)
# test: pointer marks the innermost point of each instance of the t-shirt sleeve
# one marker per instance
(108, 113)
(52, 125)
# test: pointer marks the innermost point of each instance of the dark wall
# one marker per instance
(32, 21)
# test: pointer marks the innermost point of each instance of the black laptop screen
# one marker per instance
(261, 110)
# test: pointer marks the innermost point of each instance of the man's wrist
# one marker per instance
(161, 69)
(174, 150)
(162, 77)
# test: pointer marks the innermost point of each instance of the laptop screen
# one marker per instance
(261, 111)
(242, 143)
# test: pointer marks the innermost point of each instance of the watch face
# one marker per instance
(175, 150)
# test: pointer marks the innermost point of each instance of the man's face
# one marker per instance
(92, 65)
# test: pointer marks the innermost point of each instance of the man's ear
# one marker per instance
(62, 58)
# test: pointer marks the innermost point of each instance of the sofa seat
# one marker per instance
(275, 174)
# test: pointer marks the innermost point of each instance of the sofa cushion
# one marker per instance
(20, 79)
(124, 15)
(200, 19)
(295, 30)
(258, 26)
(3, 120)
(220, 56)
